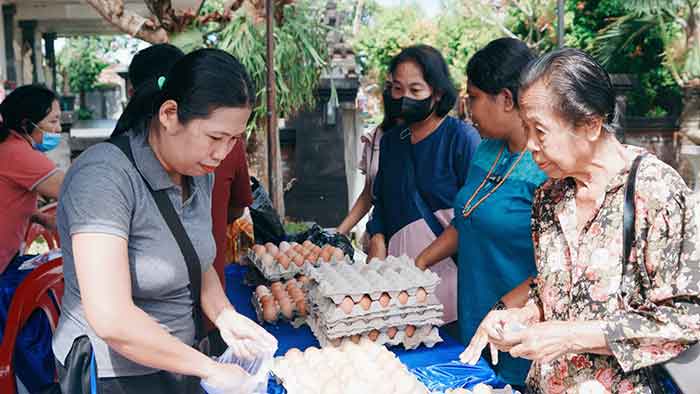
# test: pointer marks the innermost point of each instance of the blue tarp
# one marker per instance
(437, 367)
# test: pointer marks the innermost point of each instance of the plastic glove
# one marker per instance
(242, 335)
(227, 378)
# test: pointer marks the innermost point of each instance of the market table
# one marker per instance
(435, 366)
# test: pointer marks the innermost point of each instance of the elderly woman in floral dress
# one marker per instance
(589, 328)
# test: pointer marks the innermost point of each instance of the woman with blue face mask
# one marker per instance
(31, 125)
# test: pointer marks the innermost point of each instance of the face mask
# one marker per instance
(414, 111)
(49, 140)
(392, 108)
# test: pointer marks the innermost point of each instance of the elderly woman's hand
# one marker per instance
(490, 332)
(548, 341)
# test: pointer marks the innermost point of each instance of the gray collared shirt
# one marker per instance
(103, 193)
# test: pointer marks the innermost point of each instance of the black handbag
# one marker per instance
(683, 370)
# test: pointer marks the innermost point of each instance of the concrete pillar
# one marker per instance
(29, 40)
(38, 61)
(8, 17)
(49, 40)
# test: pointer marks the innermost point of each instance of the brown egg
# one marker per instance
(283, 260)
(355, 338)
(317, 249)
(421, 295)
(336, 342)
(403, 298)
(365, 302)
(327, 247)
(270, 312)
(290, 283)
(298, 248)
(373, 335)
(278, 292)
(284, 246)
(301, 307)
(296, 293)
(384, 300)
(267, 259)
(391, 332)
(338, 254)
(275, 285)
(286, 308)
(312, 257)
(307, 244)
(347, 305)
(271, 248)
(259, 250)
(410, 330)
(299, 260)
(325, 256)
(261, 291)
(267, 299)
(303, 279)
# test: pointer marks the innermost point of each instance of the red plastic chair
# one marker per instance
(33, 293)
(36, 230)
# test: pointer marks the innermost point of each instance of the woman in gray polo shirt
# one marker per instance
(126, 297)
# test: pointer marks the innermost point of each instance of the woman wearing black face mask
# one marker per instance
(369, 164)
(421, 166)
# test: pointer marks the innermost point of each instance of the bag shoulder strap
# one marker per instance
(172, 219)
(628, 219)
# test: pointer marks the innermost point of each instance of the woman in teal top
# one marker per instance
(491, 228)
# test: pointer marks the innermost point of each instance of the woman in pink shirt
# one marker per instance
(30, 126)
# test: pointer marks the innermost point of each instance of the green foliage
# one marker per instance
(300, 54)
(84, 114)
(80, 62)
(629, 43)
(534, 21)
(393, 28)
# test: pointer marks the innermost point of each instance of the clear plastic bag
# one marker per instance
(258, 370)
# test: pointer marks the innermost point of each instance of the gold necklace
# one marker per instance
(467, 211)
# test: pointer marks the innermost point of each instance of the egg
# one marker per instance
(304, 279)
(365, 302)
(293, 353)
(391, 332)
(286, 308)
(299, 260)
(298, 248)
(296, 293)
(346, 305)
(301, 307)
(482, 389)
(325, 255)
(317, 249)
(261, 291)
(384, 300)
(283, 260)
(290, 283)
(312, 257)
(270, 312)
(284, 246)
(336, 342)
(307, 244)
(355, 338)
(373, 335)
(403, 298)
(338, 254)
(271, 248)
(259, 250)
(421, 295)
(266, 298)
(410, 330)
(278, 293)
(267, 259)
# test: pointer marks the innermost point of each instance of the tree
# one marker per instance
(677, 21)
(80, 63)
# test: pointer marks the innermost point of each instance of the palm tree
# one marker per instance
(677, 20)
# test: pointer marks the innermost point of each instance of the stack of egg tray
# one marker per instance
(389, 302)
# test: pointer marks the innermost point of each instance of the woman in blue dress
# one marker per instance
(422, 165)
(491, 227)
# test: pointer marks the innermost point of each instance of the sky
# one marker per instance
(431, 7)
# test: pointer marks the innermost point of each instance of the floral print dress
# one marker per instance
(579, 278)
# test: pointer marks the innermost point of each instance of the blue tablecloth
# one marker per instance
(435, 367)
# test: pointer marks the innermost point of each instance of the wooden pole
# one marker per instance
(274, 160)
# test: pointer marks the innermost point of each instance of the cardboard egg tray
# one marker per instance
(350, 369)
(336, 281)
(274, 272)
(427, 335)
(333, 313)
(297, 319)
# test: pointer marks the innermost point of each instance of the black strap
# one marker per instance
(628, 221)
(183, 240)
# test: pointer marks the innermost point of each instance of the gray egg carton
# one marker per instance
(275, 272)
(427, 335)
(349, 327)
(336, 281)
(332, 313)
